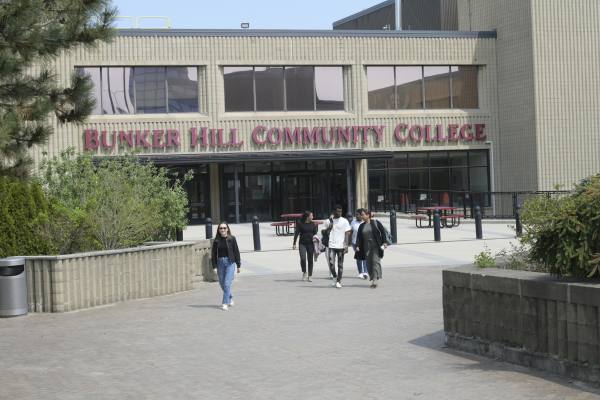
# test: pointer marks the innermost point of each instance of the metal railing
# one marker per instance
(496, 205)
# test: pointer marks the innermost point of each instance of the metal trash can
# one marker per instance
(13, 287)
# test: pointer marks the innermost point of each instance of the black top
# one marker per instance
(233, 252)
(305, 231)
(222, 249)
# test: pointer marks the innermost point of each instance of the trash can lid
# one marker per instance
(12, 261)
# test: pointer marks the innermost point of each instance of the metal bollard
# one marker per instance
(178, 234)
(518, 226)
(437, 227)
(393, 227)
(256, 233)
(478, 231)
(208, 228)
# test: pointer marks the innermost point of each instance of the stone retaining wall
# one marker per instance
(83, 280)
(526, 318)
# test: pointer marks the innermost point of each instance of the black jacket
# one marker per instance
(378, 232)
(305, 231)
(233, 252)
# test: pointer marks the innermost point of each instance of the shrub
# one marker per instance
(563, 234)
(484, 259)
(115, 203)
(23, 211)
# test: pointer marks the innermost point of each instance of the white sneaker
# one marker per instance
(309, 279)
(303, 276)
(365, 276)
(338, 285)
(330, 276)
(361, 276)
(224, 307)
(231, 303)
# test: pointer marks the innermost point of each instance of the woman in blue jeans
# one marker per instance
(225, 256)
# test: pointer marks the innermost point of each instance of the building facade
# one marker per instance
(282, 121)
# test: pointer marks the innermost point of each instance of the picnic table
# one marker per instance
(448, 217)
(287, 225)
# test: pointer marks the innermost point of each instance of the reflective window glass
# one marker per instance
(478, 158)
(269, 88)
(418, 159)
(377, 189)
(419, 178)
(464, 86)
(93, 73)
(458, 158)
(376, 164)
(459, 179)
(409, 87)
(117, 90)
(381, 88)
(239, 88)
(439, 179)
(479, 179)
(399, 161)
(438, 159)
(299, 88)
(437, 87)
(182, 83)
(329, 87)
(150, 90)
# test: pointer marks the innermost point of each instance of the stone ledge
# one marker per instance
(521, 356)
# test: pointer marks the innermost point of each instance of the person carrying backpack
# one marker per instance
(371, 240)
(336, 236)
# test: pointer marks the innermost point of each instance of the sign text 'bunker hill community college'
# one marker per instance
(263, 136)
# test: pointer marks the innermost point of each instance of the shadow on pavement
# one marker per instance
(436, 341)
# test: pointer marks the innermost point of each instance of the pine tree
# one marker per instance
(32, 33)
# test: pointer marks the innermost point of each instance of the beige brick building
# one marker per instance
(282, 121)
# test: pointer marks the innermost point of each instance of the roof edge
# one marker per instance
(304, 33)
(364, 12)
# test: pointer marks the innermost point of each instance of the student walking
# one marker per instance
(338, 231)
(361, 264)
(371, 240)
(306, 229)
(225, 256)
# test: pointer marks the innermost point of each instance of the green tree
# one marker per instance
(113, 204)
(32, 33)
(563, 234)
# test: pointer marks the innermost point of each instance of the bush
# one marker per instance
(114, 204)
(484, 259)
(23, 211)
(563, 234)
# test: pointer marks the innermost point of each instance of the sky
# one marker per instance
(228, 14)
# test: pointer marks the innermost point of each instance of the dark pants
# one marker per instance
(306, 251)
(332, 254)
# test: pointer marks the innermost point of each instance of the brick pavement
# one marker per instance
(284, 339)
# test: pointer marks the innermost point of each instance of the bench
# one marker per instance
(282, 228)
(453, 218)
(419, 220)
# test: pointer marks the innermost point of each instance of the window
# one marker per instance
(269, 88)
(117, 91)
(286, 88)
(143, 90)
(381, 88)
(182, 86)
(299, 91)
(464, 86)
(239, 88)
(329, 88)
(412, 87)
(150, 90)
(409, 89)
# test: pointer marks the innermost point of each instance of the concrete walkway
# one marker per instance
(284, 339)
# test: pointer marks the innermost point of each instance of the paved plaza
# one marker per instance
(284, 339)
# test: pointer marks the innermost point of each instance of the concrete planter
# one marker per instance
(83, 280)
(527, 318)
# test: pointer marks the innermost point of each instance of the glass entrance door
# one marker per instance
(296, 193)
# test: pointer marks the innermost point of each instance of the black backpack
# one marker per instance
(325, 234)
